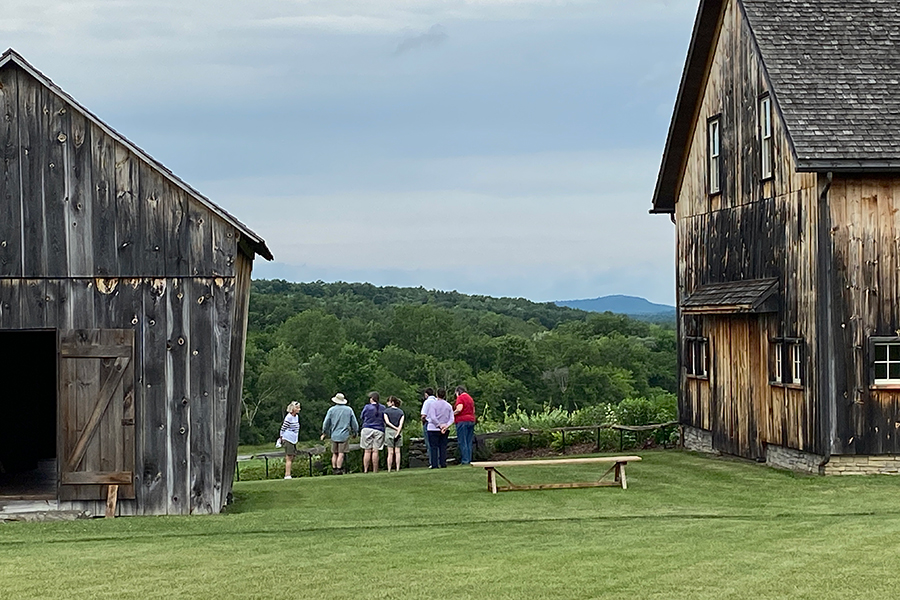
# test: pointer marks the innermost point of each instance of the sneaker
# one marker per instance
(287, 477)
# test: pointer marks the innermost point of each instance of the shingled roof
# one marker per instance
(834, 71)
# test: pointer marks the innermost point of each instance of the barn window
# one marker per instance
(765, 136)
(778, 375)
(786, 361)
(886, 361)
(715, 155)
(696, 357)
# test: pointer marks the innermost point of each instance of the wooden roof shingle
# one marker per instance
(749, 296)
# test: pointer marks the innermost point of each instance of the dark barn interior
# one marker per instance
(28, 422)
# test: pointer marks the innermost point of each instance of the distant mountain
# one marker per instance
(626, 305)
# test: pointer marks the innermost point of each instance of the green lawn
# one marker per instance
(687, 527)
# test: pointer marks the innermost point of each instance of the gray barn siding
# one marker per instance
(94, 237)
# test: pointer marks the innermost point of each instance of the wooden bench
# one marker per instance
(617, 469)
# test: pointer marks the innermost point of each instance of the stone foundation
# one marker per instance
(698, 440)
(418, 455)
(798, 461)
(885, 464)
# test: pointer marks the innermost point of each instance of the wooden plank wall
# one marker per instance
(78, 203)
(865, 236)
(94, 237)
(753, 229)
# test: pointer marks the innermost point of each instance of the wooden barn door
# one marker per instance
(739, 379)
(95, 427)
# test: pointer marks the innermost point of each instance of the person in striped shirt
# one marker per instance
(290, 431)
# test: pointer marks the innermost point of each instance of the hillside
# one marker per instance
(623, 305)
(308, 341)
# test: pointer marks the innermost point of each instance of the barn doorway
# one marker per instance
(28, 414)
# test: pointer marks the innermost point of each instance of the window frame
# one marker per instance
(714, 161)
(766, 140)
(696, 357)
(787, 362)
(874, 381)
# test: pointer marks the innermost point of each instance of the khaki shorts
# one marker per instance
(371, 439)
(289, 448)
(340, 447)
(392, 439)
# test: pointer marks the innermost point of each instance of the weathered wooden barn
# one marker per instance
(781, 173)
(123, 314)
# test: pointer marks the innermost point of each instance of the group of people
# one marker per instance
(382, 426)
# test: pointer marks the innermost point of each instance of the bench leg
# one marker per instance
(112, 497)
(624, 481)
(492, 480)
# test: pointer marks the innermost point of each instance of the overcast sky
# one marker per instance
(496, 147)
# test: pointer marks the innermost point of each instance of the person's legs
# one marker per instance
(442, 448)
(432, 437)
(288, 461)
(427, 440)
(396, 458)
(367, 457)
(464, 433)
(375, 458)
(340, 460)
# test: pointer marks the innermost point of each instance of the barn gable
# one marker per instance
(834, 73)
(83, 201)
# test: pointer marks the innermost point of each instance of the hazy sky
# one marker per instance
(495, 147)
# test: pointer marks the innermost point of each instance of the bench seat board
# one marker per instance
(558, 461)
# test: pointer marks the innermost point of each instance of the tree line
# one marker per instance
(307, 341)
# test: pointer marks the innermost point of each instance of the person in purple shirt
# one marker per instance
(371, 437)
(439, 417)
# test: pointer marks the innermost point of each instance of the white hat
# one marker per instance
(339, 399)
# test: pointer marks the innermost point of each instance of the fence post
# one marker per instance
(237, 469)
(267, 466)
(621, 439)
(309, 454)
(564, 441)
(597, 449)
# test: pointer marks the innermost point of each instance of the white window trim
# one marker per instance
(779, 363)
(714, 166)
(887, 362)
(797, 363)
(767, 154)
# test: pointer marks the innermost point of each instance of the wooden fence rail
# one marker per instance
(479, 438)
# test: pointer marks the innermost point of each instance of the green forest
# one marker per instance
(308, 341)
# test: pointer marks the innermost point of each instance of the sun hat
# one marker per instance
(339, 399)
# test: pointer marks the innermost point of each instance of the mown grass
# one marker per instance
(687, 527)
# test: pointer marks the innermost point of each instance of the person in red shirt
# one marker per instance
(464, 417)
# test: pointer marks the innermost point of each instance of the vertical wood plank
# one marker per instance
(128, 233)
(240, 312)
(223, 297)
(177, 231)
(178, 321)
(10, 192)
(201, 238)
(202, 395)
(56, 162)
(153, 222)
(154, 419)
(103, 213)
(34, 249)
